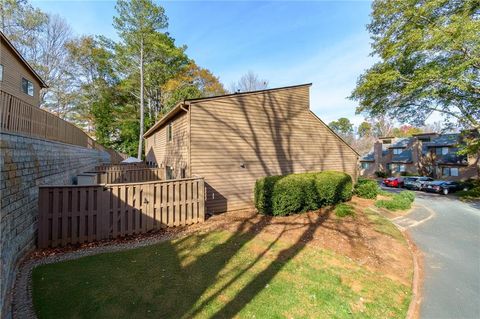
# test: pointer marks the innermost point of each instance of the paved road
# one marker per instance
(448, 232)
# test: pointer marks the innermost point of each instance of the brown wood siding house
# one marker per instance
(233, 140)
(17, 74)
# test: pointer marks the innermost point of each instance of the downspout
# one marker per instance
(182, 107)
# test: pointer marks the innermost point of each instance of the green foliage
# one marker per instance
(366, 188)
(342, 126)
(342, 210)
(400, 201)
(429, 60)
(469, 194)
(284, 195)
(365, 129)
(381, 174)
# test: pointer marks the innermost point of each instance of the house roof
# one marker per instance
(188, 102)
(21, 58)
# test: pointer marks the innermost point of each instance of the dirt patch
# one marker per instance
(354, 237)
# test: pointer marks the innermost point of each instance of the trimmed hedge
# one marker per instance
(294, 193)
(367, 188)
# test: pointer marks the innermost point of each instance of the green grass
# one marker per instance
(217, 275)
(384, 226)
(385, 193)
(342, 210)
(400, 201)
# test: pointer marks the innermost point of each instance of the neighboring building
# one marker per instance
(428, 154)
(17, 77)
(232, 140)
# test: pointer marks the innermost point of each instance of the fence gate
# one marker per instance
(79, 214)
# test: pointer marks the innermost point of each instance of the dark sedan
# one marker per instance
(442, 187)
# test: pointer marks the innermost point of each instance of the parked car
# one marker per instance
(393, 182)
(410, 182)
(442, 187)
(416, 182)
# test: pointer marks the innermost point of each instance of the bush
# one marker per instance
(473, 193)
(400, 201)
(381, 174)
(342, 210)
(408, 195)
(284, 195)
(367, 188)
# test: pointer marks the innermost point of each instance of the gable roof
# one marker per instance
(22, 59)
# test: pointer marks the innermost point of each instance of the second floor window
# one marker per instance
(441, 150)
(27, 87)
(169, 131)
(1, 72)
(397, 151)
(365, 165)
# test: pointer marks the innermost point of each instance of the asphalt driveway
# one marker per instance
(448, 232)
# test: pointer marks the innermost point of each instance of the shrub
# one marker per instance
(408, 195)
(400, 201)
(473, 193)
(283, 195)
(381, 174)
(367, 188)
(342, 210)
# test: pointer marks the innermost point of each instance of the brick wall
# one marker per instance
(25, 164)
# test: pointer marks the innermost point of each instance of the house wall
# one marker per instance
(237, 139)
(13, 72)
(170, 153)
(26, 163)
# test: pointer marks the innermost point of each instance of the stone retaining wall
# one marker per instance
(25, 164)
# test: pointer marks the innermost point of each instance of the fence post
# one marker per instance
(201, 198)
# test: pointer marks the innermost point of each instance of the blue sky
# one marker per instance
(285, 42)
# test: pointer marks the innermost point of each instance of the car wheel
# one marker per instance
(445, 191)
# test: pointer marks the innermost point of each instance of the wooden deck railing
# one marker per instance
(79, 214)
(130, 175)
(120, 167)
(17, 116)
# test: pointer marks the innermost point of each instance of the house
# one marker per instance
(17, 77)
(234, 139)
(428, 154)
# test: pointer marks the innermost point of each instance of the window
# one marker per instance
(450, 171)
(441, 150)
(183, 173)
(397, 151)
(169, 172)
(27, 87)
(402, 168)
(389, 166)
(365, 165)
(1, 72)
(170, 131)
(387, 141)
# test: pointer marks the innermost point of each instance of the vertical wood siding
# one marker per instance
(170, 153)
(236, 140)
(13, 72)
(80, 214)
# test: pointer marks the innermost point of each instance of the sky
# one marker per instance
(285, 42)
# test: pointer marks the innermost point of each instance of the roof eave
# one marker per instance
(176, 109)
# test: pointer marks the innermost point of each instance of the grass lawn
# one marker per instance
(219, 274)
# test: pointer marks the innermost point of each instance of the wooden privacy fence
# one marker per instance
(79, 214)
(130, 175)
(120, 167)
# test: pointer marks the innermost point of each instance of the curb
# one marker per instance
(417, 257)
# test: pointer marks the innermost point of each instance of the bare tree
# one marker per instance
(249, 82)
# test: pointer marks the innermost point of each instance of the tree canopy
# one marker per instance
(429, 61)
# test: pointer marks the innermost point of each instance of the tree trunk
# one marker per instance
(140, 139)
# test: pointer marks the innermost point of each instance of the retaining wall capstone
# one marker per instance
(27, 163)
